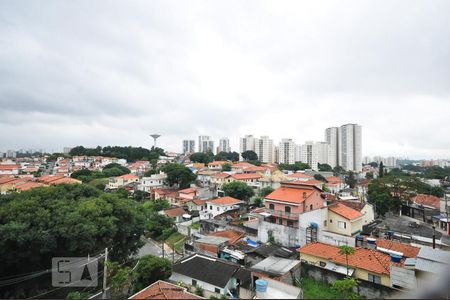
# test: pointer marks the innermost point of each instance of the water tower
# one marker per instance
(155, 136)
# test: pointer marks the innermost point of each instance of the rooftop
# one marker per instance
(345, 211)
(246, 176)
(174, 212)
(164, 290)
(290, 194)
(276, 265)
(225, 201)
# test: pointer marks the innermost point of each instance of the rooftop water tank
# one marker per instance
(261, 285)
(313, 225)
(396, 258)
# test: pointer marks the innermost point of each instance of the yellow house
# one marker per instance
(343, 220)
(120, 181)
(364, 264)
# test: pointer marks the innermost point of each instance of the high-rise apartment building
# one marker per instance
(188, 146)
(264, 149)
(350, 144)
(332, 138)
(205, 144)
(224, 145)
(313, 153)
(286, 151)
(247, 143)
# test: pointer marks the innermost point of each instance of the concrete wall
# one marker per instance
(403, 277)
(336, 239)
(184, 228)
(286, 236)
(206, 286)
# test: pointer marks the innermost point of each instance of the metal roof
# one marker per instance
(276, 265)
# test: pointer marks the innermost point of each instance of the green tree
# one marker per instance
(199, 291)
(233, 156)
(320, 177)
(345, 287)
(338, 170)
(381, 170)
(265, 191)
(346, 250)
(239, 190)
(351, 180)
(150, 172)
(369, 175)
(178, 175)
(297, 166)
(201, 157)
(373, 164)
(249, 155)
(254, 162)
(226, 167)
(325, 168)
(149, 270)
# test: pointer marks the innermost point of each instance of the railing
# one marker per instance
(283, 214)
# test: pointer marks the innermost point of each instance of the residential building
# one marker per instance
(205, 144)
(247, 143)
(313, 153)
(177, 214)
(343, 220)
(332, 138)
(215, 276)
(164, 290)
(9, 169)
(217, 165)
(188, 146)
(146, 184)
(265, 150)
(218, 206)
(350, 145)
(286, 151)
(224, 145)
(121, 181)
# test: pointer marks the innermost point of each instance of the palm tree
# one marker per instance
(346, 250)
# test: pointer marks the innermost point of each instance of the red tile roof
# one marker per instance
(367, 259)
(407, 250)
(9, 167)
(164, 290)
(246, 176)
(128, 177)
(312, 182)
(427, 200)
(188, 191)
(242, 164)
(50, 178)
(232, 235)
(29, 185)
(218, 163)
(345, 211)
(7, 179)
(290, 194)
(225, 201)
(174, 212)
(256, 169)
(198, 201)
(334, 180)
(66, 180)
(222, 175)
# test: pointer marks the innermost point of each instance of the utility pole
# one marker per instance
(105, 269)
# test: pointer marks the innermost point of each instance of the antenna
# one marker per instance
(155, 136)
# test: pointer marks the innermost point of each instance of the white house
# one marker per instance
(218, 206)
(152, 182)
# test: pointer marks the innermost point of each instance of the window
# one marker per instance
(325, 223)
(342, 225)
(271, 206)
(311, 207)
(287, 209)
(280, 221)
(322, 264)
(217, 208)
(194, 282)
(290, 223)
(331, 221)
(374, 278)
(216, 290)
(210, 207)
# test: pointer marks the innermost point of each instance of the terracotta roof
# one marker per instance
(407, 250)
(218, 163)
(188, 191)
(289, 194)
(427, 200)
(301, 175)
(66, 180)
(224, 201)
(174, 212)
(7, 179)
(356, 205)
(222, 175)
(334, 180)
(128, 177)
(29, 185)
(246, 176)
(367, 259)
(312, 182)
(256, 169)
(9, 167)
(50, 178)
(232, 235)
(242, 164)
(345, 211)
(164, 290)
(199, 201)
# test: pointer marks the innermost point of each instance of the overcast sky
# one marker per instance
(110, 73)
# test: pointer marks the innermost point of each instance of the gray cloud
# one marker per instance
(111, 72)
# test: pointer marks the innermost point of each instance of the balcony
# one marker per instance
(282, 214)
